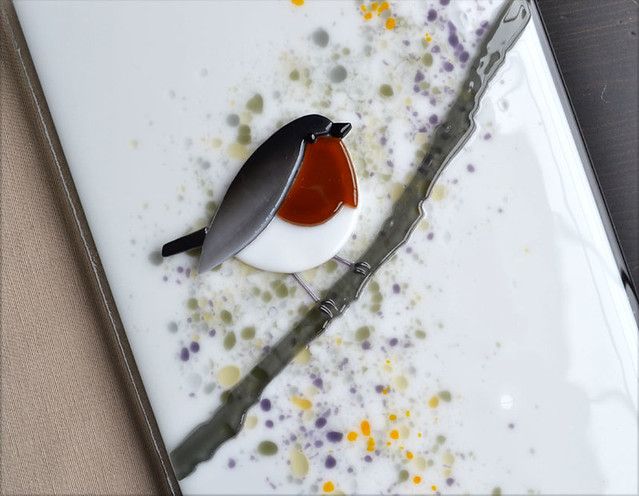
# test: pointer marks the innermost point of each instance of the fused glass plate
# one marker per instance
(494, 352)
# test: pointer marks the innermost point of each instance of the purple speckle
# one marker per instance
(511, 426)
(396, 288)
(383, 140)
(448, 67)
(212, 332)
(419, 76)
(433, 119)
(464, 56)
(184, 354)
(435, 49)
(195, 346)
(450, 481)
(231, 463)
(269, 424)
(379, 388)
(432, 15)
(318, 383)
(487, 136)
(453, 40)
(393, 342)
(366, 345)
(318, 444)
(334, 436)
(430, 236)
(320, 422)
(330, 462)
(479, 32)
(265, 404)
(470, 168)
(368, 458)
(180, 269)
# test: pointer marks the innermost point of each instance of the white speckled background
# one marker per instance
(502, 327)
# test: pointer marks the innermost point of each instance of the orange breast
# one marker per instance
(325, 182)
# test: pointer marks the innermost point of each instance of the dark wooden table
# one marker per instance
(597, 47)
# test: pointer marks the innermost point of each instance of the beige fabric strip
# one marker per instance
(67, 426)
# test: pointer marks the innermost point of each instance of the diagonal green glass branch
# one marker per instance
(202, 443)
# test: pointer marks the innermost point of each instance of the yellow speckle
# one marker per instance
(408, 413)
(434, 487)
(448, 458)
(299, 463)
(439, 192)
(338, 341)
(368, 16)
(420, 463)
(236, 150)
(301, 403)
(328, 487)
(388, 361)
(428, 38)
(382, 7)
(363, 8)
(390, 23)
(417, 479)
(374, 5)
(228, 376)
(351, 436)
(388, 443)
(392, 417)
(297, 3)
(303, 357)
(433, 402)
(394, 434)
(385, 390)
(370, 444)
(251, 421)
(409, 455)
(419, 434)
(366, 428)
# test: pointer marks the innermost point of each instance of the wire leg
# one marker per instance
(306, 287)
(344, 261)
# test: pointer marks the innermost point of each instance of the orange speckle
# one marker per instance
(409, 455)
(370, 444)
(368, 16)
(351, 436)
(297, 3)
(328, 487)
(382, 7)
(390, 23)
(408, 413)
(385, 390)
(392, 417)
(366, 428)
(394, 434)
(417, 479)
(433, 487)
(374, 6)
(433, 402)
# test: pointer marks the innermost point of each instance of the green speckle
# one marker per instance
(211, 206)
(229, 341)
(225, 396)
(155, 257)
(441, 439)
(191, 304)
(375, 307)
(419, 334)
(267, 296)
(255, 104)
(331, 266)
(226, 316)
(233, 120)
(445, 395)
(386, 90)
(255, 291)
(377, 297)
(294, 75)
(320, 37)
(496, 491)
(248, 333)
(267, 448)
(403, 475)
(243, 135)
(281, 290)
(427, 59)
(346, 51)
(362, 333)
(338, 74)
(374, 286)
(302, 309)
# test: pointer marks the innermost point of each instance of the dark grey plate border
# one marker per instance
(578, 136)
